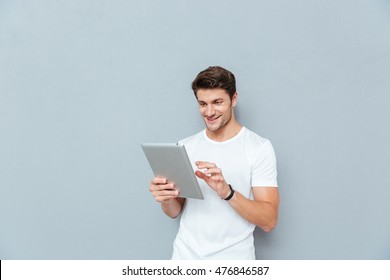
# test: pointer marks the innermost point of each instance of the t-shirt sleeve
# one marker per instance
(264, 168)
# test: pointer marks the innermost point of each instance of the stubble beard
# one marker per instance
(218, 126)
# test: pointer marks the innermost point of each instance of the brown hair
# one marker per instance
(215, 77)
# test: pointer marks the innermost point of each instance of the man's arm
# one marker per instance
(262, 211)
(167, 195)
(173, 207)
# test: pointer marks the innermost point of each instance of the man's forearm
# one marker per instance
(260, 213)
(173, 207)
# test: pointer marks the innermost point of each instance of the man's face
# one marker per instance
(215, 107)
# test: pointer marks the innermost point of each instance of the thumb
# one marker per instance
(201, 175)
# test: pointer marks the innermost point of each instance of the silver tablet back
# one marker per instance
(171, 161)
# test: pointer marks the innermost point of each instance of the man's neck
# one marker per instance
(225, 133)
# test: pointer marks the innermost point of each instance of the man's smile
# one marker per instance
(212, 119)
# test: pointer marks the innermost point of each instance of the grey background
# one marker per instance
(83, 83)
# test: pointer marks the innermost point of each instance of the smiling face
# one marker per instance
(217, 110)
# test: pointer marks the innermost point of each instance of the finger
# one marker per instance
(166, 195)
(160, 187)
(159, 180)
(205, 164)
(165, 198)
(201, 175)
(212, 171)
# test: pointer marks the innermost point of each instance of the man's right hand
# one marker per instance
(163, 191)
(168, 196)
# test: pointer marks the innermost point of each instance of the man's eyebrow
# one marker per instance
(212, 101)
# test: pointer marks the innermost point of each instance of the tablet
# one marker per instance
(171, 161)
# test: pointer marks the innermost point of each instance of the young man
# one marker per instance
(237, 172)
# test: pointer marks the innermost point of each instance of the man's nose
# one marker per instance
(210, 111)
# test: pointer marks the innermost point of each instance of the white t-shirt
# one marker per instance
(211, 228)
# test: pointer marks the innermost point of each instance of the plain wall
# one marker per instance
(83, 83)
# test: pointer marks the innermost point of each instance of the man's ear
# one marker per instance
(234, 99)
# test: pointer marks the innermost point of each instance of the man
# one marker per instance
(237, 172)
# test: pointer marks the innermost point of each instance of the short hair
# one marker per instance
(215, 77)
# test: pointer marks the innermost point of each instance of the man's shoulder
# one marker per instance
(254, 138)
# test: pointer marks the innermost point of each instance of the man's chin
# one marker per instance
(212, 128)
